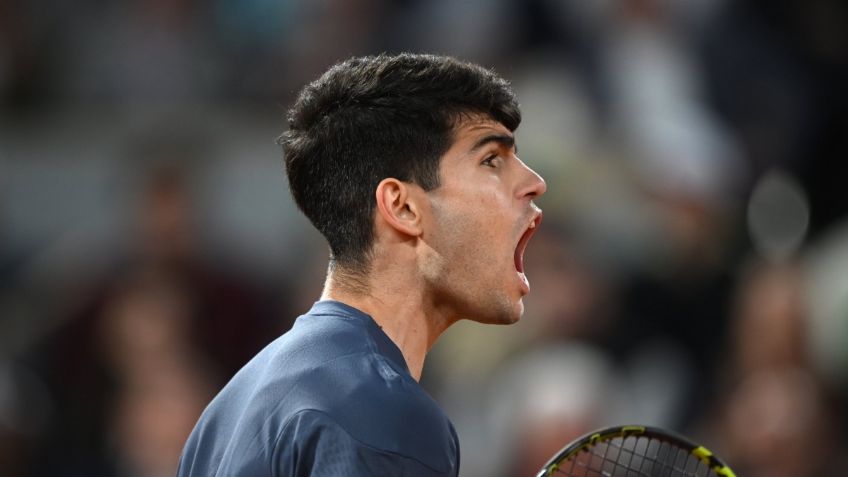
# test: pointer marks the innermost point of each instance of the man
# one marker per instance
(407, 165)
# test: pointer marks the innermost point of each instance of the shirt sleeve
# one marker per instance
(312, 444)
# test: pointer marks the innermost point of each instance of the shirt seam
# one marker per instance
(367, 353)
(351, 436)
(372, 346)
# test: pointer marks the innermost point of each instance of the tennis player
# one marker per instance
(407, 165)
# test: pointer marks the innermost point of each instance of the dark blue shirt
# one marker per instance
(333, 396)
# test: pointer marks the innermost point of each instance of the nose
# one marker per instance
(532, 185)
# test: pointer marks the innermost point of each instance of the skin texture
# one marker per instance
(450, 253)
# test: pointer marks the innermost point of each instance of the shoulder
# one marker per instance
(314, 442)
(378, 405)
(365, 389)
(331, 367)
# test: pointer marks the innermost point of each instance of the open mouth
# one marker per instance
(525, 239)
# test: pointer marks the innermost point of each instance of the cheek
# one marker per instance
(487, 210)
(472, 229)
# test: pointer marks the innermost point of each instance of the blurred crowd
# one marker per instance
(691, 271)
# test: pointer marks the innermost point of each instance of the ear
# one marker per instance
(396, 205)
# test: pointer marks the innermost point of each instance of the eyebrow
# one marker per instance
(504, 140)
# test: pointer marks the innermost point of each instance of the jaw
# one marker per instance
(467, 280)
(502, 311)
(485, 299)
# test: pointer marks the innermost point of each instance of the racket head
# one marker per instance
(639, 451)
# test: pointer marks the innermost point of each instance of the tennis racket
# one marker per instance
(634, 451)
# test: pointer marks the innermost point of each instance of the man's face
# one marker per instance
(480, 219)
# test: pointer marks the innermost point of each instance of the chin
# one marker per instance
(519, 312)
(506, 313)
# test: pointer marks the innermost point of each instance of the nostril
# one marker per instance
(537, 188)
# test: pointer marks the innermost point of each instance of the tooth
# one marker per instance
(533, 225)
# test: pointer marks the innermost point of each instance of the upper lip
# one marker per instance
(529, 230)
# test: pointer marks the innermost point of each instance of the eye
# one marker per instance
(489, 161)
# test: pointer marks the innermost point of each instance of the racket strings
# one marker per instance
(634, 457)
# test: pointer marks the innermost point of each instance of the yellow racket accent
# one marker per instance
(702, 453)
(605, 437)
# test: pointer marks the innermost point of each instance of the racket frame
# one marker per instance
(592, 439)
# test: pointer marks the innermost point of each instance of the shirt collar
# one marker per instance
(385, 346)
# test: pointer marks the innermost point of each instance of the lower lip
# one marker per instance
(525, 285)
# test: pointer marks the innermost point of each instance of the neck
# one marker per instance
(398, 306)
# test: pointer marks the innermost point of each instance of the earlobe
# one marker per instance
(396, 206)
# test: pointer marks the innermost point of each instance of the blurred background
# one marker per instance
(691, 272)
